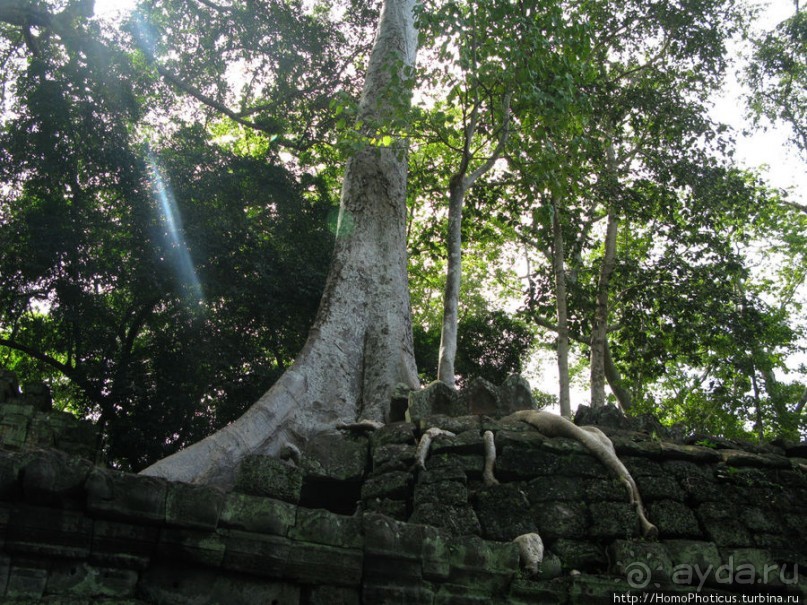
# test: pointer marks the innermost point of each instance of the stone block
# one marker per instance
(75, 437)
(455, 424)
(451, 594)
(81, 580)
(443, 468)
(529, 592)
(692, 554)
(643, 564)
(448, 466)
(673, 519)
(456, 520)
(739, 458)
(517, 462)
(382, 593)
(387, 567)
(256, 514)
(179, 544)
(613, 520)
(752, 567)
(324, 527)
(16, 411)
(544, 489)
(761, 521)
(436, 556)
(193, 506)
(504, 512)
(690, 453)
(515, 394)
(41, 433)
(11, 463)
(9, 386)
(255, 554)
(641, 467)
(383, 535)
(394, 550)
(561, 520)
(5, 568)
(579, 554)
(124, 496)
(393, 457)
(484, 565)
(54, 479)
(185, 586)
(628, 445)
(395, 485)
(332, 595)
(596, 590)
(336, 456)
(396, 509)
(26, 581)
(721, 524)
(271, 477)
(117, 544)
(436, 398)
(39, 531)
(13, 431)
(5, 517)
(37, 394)
(467, 442)
(609, 490)
(481, 397)
(319, 564)
(661, 487)
(453, 493)
(400, 433)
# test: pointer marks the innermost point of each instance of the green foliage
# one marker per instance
(491, 345)
(90, 299)
(251, 110)
(777, 77)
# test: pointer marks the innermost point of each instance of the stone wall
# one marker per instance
(27, 420)
(353, 523)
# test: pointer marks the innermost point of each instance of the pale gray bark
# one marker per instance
(451, 295)
(614, 377)
(459, 185)
(600, 446)
(361, 343)
(599, 328)
(559, 269)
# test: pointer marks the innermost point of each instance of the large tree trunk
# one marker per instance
(559, 269)
(361, 343)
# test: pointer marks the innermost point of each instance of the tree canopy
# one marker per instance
(171, 207)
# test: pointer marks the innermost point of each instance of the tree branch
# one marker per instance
(65, 369)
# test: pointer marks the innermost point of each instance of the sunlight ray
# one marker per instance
(175, 236)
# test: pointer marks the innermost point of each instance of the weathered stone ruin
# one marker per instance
(356, 522)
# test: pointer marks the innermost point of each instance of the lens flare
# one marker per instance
(172, 220)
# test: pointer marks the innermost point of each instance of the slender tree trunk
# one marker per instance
(459, 185)
(612, 374)
(599, 328)
(451, 296)
(759, 425)
(559, 269)
(361, 343)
